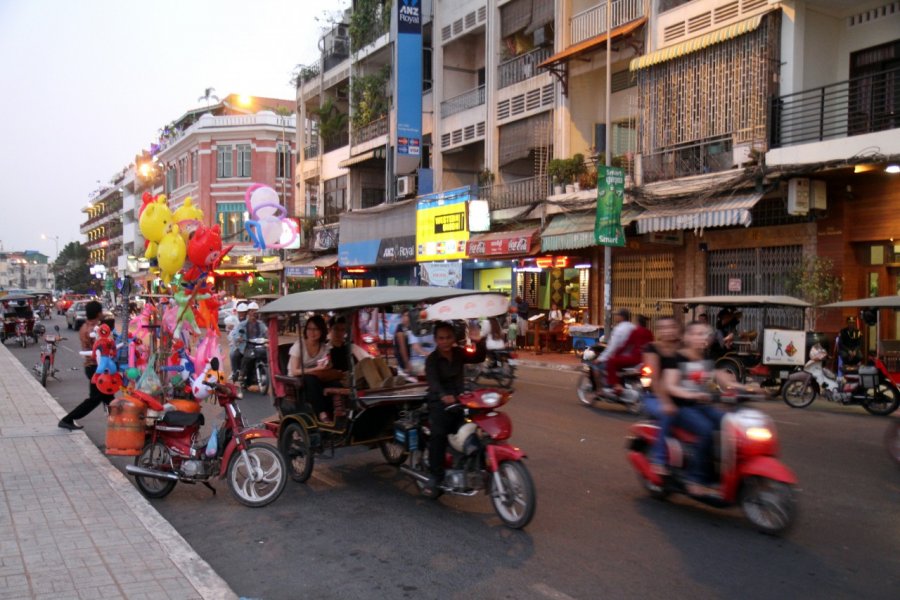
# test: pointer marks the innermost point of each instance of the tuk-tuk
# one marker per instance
(887, 351)
(771, 341)
(373, 407)
(18, 319)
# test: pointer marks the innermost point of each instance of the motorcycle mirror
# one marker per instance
(56, 327)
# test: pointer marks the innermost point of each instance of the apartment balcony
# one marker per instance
(369, 132)
(311, 151)
(709, 156)
(814, 125)
(514, 194)
(463, 102)
(592, 21)
(521, 67)
(334, 142)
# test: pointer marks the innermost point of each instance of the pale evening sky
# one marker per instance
(88, 83)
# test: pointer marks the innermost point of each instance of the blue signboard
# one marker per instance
(408, 86)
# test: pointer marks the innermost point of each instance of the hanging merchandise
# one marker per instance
(154, 223)
(171, 254)
(267, 226)
(188, 218)
(149, 383)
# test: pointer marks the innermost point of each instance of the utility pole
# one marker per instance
(607, 250)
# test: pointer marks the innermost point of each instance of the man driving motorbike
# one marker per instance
(248, 329)
(445, 373)
(849, 344)
(618, 338)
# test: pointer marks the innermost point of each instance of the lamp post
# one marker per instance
(55, 239)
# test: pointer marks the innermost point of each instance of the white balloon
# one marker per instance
(271, 230)
(262, 196)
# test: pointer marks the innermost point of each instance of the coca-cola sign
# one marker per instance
(515, 244)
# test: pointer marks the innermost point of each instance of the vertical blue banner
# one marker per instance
(408, 86)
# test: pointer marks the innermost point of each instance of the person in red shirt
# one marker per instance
(630, 354)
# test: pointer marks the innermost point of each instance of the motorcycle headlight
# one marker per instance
(759, 434)
(490, 399)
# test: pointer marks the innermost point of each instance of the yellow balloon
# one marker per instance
(170, 254)
(187, 212)
(155, 220)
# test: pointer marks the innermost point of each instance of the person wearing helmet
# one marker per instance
(248, 329)
(231, 323)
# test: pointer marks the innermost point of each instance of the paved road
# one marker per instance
(358, 529)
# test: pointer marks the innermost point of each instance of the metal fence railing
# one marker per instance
(514, 194)
(465, 101)
(521, 67)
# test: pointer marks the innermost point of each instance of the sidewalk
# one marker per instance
(71, 525)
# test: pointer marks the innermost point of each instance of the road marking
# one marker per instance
(549, 592)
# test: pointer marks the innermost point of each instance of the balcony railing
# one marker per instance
(337, 141)
(311, 151)
(371, 131)
(710, 156)
(464, 101)
(592, 21)
(516, 193)
(521, 67)
(860, 105)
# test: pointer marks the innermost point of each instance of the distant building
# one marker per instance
(25, 270)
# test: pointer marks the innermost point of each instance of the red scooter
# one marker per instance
(479, 458)
(46, 365)
(256, 472)
(749, 471)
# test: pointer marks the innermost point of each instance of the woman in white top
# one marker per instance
(311, 350)
(493, 334)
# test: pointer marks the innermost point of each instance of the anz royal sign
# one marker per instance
(408, 87)
(410, 15)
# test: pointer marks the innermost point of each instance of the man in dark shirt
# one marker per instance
(95, 397)
(445, 373)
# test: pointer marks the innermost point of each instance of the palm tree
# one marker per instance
(208, 94)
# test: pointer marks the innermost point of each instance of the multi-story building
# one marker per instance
(28, 270)
(102, 227)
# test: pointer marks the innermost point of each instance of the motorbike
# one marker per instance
(870, 386)
(479, 458)
(749, 471)
(46, 365)
(43, 312)
(500, 367)
(257, 351)
(635, 381)
(173, 452)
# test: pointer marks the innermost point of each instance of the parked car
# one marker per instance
(228, 309)
(75, 315)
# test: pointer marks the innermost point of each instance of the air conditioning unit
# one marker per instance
(342, 93)
(341, 47)
(406, 186)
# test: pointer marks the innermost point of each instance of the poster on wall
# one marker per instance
(784, 347)
(441, 274)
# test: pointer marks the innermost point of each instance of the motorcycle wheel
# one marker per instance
(156, 457)
(258, 479)
(45, 371)
(516, 505)
(295, 448)
(585, 390)
(768, 504)
(262, 378)
(23, 339)
(393, 453)
(798, 394)
(637, 406)
(892, 441)
(881, 401)
(506, 374)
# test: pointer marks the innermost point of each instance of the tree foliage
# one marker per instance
(369, 97)
(816, 281)
(71, 269)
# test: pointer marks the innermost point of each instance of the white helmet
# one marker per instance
(253, 306)
(242, 307)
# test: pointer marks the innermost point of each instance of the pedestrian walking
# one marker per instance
(95, 397)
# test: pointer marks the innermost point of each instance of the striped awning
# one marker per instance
(698, 43)
(377, 153)
(715, 213)
(570, 232)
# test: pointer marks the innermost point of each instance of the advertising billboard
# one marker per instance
(408, 86)
(442, 225)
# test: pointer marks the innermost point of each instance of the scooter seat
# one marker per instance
(683, 435)
(177, 418)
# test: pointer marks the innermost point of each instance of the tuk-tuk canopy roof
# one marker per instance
(876, 302)
(743, 301)
(16, 297)
(352, 298)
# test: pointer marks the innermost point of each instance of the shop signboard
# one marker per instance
(441, 225)
(388, 251)
(441, 274)
(608, 229)
(408, 86)
(516, 244)
(300, 272)
(784, 347)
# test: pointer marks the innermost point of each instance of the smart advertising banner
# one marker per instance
(408, 86)
(441, 225)
(608, 229)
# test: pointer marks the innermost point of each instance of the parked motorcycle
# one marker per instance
(749, 472)
(479, 458)
(500, 367)
(255, 471)
(46, 365)
(870, 386)
(635, 381)
(258, 352)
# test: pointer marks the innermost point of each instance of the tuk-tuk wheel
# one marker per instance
(295, 447)
(393, 452)
(732, 366)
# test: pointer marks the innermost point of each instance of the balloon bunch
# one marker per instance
(267, 226)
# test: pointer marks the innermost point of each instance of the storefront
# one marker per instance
(493, 258)
(377, 246)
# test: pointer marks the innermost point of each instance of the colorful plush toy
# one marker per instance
(154, 223)
(205, 251)
(106, 378)
(210, 374)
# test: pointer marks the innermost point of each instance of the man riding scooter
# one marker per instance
(618, 353)
(250, 328)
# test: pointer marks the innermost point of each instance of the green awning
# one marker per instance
(570, 232)
(698, 43)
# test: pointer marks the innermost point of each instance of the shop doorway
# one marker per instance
(640, 283)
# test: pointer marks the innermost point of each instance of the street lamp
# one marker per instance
(55, 239)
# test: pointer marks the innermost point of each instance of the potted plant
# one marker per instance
(577, 169)
(565, 172)
(558, 172)
(485, 178)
